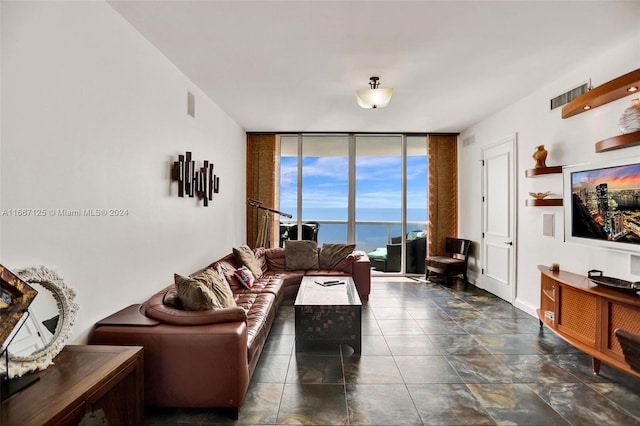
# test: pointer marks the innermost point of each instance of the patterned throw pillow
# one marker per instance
(301, 255)
(333, 255)
(219, 286)
(243, 255)
(194, 294)
(245, 276)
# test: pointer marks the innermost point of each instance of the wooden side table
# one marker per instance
(85, 382)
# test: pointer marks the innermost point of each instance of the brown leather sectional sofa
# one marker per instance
(206, 358)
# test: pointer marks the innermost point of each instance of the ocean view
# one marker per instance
(368, 236)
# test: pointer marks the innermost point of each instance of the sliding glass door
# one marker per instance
(365, 189)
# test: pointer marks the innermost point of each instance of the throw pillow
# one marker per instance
(219, 287)
(243, 255)
(332, 255)
(301, 255)
(245, 276)
(194, 294)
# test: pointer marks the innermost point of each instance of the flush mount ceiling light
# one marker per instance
(374, 97)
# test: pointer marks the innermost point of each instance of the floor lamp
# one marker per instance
(262, 240)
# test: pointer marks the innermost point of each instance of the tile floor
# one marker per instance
(432, 355)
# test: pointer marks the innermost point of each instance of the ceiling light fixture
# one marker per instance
(632, 89)
(374, 97)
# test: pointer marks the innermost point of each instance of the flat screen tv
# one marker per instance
(602, 204)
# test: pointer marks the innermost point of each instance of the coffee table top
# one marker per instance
(312, 293)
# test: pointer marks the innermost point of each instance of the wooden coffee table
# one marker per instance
(328, 315)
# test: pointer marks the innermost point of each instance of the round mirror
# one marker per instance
(46, 325)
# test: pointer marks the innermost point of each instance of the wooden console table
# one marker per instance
(99, 382)
(586, 315)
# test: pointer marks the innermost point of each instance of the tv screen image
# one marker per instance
(603, 205)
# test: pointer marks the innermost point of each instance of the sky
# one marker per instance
(378, 183)
(616, 178)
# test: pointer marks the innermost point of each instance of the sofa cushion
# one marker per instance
(245, 276)
(245, 256)
(219, 286)
(195, 295)
(333, 256)
(276, 261)
(172, 300)
(301, 255)
(261, 259)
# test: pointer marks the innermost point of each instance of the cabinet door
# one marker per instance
(577, 314)
(618, 315)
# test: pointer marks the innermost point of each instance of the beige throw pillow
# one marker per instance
(332, 255)
(243, 255)
(219, 287)
(301, 255)
(194, 294)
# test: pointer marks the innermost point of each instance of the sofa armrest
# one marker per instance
(128, 316)
(155, 308)
(362, 276)
(199, 366)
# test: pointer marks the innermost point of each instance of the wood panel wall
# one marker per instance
(263, 171)
(443, 191)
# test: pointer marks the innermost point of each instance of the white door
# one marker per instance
(498, 219)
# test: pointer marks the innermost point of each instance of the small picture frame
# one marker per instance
(15, 298)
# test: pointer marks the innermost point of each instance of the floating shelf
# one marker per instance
(618, 142)
(546, 202)
(542, 171)
(603, 94)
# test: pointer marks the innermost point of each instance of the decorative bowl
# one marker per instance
(539, 195)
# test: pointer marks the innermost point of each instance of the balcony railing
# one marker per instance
(369, 234)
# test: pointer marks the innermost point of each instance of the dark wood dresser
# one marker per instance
(90, 383)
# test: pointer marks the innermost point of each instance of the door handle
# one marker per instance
(509, 242)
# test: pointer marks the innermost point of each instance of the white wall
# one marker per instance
(93, 116)
(569, 141)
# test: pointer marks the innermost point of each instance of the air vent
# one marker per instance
(567, 97)
(468, 141)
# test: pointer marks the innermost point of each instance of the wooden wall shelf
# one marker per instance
(542, 171)
(603, 94)
(546, 202)
(618, 142)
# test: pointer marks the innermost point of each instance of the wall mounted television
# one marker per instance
(602, 204)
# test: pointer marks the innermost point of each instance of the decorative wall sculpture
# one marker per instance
(192, 181)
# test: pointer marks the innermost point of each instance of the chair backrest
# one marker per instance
(458, 247)
(309, 231)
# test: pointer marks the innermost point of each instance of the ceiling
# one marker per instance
(295, 65)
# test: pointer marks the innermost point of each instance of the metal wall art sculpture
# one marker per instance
(195, 181)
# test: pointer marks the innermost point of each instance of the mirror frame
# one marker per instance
(65, 299)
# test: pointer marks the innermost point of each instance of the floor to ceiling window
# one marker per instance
(368, 189)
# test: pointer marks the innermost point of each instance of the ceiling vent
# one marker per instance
(567, 97)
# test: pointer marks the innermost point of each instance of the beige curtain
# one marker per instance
(443, 191)
(263, 172)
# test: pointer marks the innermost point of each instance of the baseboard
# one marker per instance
(531, 310)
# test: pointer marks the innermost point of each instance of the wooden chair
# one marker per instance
(453, 264)
(630, 347)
